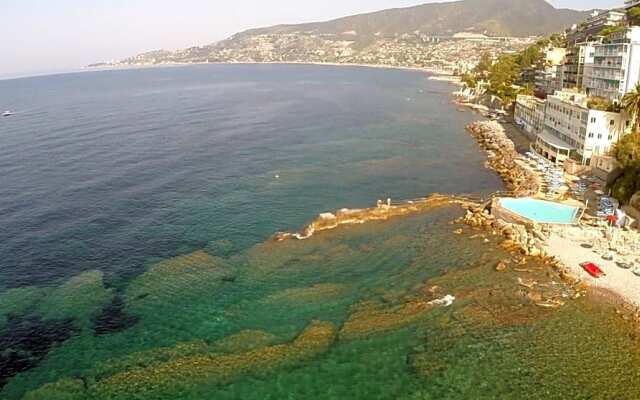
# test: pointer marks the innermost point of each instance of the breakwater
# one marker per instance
(502, 158)
(381, 212)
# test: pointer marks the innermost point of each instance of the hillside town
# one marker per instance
(457, 53)
(575, 98)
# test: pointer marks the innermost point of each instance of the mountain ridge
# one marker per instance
(490, 17)
(385, 36)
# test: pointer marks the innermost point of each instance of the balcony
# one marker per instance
(631, 3)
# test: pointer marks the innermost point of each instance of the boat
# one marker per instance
(7, 113)
(593, 270)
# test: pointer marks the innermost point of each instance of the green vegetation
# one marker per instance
(631, 104)
(627, 152)
(504, 73)
(611, 30)
(470, 80)
(533, 55)
(502, 78)
(528, 90)
(633, 16)
(558, 40)
(602, 104)
(482, 69)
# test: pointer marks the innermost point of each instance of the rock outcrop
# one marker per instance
(502, 157)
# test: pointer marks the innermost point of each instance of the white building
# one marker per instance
(572, 129)
(590, 29)
(578, 57)
(615, 68)
(631, 3)
(548, 74)
(529, 113)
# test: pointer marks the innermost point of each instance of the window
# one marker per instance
(628, 123)
(599, 135)
(593, 120)
(610, 137)
(612, 123)
(591, 135)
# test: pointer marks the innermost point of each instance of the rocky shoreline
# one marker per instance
(528, 239)
(381, 212)
(501, 150)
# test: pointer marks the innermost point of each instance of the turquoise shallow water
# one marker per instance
(143, 265)
(544, 212)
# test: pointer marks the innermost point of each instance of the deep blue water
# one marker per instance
(135, 212)
(112, 170)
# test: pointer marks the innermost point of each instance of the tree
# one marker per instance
(469, 80)
(502, 77)
(558, 40)
(483, 66)
(631, 104)
(611, 30)
(528, 90)
(532, 55)
(627, 152)
(633, 16)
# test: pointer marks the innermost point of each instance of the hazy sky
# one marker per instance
(47, 35)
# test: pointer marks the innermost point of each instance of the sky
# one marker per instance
(56, 35)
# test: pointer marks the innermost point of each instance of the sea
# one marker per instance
(137, 255)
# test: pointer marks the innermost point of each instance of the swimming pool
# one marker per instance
(540, 211)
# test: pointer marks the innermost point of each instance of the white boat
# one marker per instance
(7, 113)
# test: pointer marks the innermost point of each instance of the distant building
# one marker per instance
(590, 29)
(547, 75)
(573, 130)
(615, 68)
(580, 40)
(529, 114)
(576, 58)
(631, 3)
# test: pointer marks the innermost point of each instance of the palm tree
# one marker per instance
(631, 104)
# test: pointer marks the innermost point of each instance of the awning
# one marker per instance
(554, 141)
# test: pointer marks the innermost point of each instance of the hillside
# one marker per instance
(491, 17)
(419, 36)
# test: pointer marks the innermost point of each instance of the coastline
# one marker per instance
(435, 74)
(562, 245)
(560, 252)
(434, 71)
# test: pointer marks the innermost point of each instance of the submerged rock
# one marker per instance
(502, 266)
(24, 342)
(113, 318)
(189, 365)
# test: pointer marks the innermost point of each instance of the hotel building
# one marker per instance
(529, 114)
(615, 67)
(573, 130)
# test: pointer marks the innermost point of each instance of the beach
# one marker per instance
(570, 245)
(566, 246)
